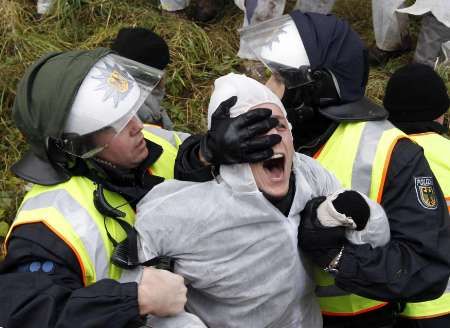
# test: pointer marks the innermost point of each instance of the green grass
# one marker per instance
(199, 54)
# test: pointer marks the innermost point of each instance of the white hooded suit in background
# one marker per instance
(390, 23)
(237, 251)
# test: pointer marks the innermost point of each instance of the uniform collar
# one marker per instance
(131, 184)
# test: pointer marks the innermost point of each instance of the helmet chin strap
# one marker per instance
(60, 158)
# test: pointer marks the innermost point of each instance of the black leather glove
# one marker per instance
(240, 139)
(321, 244)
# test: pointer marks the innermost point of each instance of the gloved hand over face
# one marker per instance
(240, 139)
(324, 220)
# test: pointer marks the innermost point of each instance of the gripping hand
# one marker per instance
(320, 243)
(240, 139)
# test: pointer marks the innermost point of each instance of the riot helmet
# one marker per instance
(64, 99)
(320, 60)
(108, 98)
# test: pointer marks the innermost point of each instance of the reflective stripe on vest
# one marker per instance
(170, 141)
(437, 150)
(437, 153)
(358, 154)
(68, 210)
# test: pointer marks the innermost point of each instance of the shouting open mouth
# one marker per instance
(274, 167)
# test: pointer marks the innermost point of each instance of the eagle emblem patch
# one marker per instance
(426, 194)
(114, 81)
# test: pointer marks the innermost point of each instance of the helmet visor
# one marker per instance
(276, 43)
(108, 98)
(89, 145)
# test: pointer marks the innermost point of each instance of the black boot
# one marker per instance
(379, 57)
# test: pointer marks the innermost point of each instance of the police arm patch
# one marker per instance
(425, 191)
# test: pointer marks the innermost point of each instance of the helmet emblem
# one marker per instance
(114, 81)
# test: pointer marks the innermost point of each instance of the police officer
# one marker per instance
(320, 71)
(349, 135)
(416, 99)
(90, 161)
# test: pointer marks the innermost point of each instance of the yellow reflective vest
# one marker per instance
(68, 210)
(358, 154)
(437, 153)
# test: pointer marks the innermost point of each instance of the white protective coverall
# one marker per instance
(434, 33)
(256, 11)
(43, 6)
(390, 23)
(237, 252)
(174, 5)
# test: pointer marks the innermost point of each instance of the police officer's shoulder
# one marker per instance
(32, 243)
(404, 153)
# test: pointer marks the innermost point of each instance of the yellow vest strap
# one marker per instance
(55, 221)
(429, 309)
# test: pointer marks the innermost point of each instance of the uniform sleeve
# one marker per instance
(187, 165)
(41, 287)
(415, 264)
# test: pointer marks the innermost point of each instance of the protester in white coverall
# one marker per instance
(391, 27)
(390, 22)
(234, 239)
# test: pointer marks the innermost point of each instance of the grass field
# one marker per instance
(200, 53)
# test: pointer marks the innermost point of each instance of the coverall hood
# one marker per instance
(249, 93)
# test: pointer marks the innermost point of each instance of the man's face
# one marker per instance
(127, 149)
(272, 175)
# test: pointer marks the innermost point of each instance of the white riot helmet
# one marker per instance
(321, 61)
(277, 43)
(109, 97)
